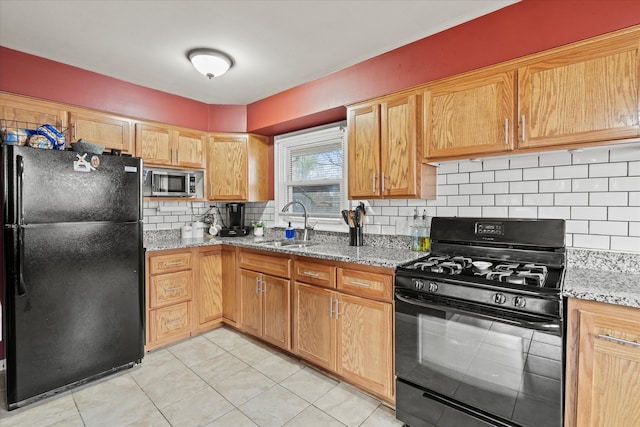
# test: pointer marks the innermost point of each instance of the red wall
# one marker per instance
(520, 29)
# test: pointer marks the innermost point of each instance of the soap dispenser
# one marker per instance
(289, 232)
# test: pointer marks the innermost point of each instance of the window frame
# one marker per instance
(307, 140)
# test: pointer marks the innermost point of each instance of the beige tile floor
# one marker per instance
(221, 378)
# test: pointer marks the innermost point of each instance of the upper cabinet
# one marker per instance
(237, 167)
(470, 115)
(384, 148)
(14, 108)
(583, 94)
(168, 146)
(111, 131)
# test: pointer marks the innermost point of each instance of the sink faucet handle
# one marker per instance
(311, 227)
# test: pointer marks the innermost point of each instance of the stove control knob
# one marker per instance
(499, 298)
(520, 302)
(433, 287)
(418, 284)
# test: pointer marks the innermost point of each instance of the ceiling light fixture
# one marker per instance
(210, 62)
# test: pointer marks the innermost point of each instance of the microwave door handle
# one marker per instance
(540, 326)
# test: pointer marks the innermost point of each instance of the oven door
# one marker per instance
(463, 365)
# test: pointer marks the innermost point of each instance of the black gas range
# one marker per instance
(479, 322)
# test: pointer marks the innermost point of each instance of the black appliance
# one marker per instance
(73, 269)
(234, 225)
(480, 331)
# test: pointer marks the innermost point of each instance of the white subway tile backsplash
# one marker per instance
(634, 168)
(523, 187)
(495, 164)
(508, 175)
(457, 200)
(624, 213)
(554, 212)
(448, 190)
(597, 155)
(590, 184)
(495, 188)
(619, 243)
(537, 173)
(555, 186)
(468, 166)
(611, 228)
(508, 199)
(446, 211)
(458, 178)
(624, 153)
(482, 200)
(488, 176)
(634, 229)
(577, 227)
(578, 212)
(575, 171)
(634, 198)
(389, 210)
(448, 167)
(608, 199)
(530, 161)
(523, 212)
(572, 199)
(470, 188)
(590, 241)
(470, 211)
(537, 200)
(624, 184)
(555, 159)
(495, 211)
(608, 169)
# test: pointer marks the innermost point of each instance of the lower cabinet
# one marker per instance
(348, 334)
(603, 365)
(265, 302)
(183, 293)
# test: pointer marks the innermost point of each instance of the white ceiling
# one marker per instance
(275, 45)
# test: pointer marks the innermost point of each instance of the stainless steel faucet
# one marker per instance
(306, 217)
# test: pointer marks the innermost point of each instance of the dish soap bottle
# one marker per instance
(425, 241)
(289, 232)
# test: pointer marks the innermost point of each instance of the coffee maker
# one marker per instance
(234, 225)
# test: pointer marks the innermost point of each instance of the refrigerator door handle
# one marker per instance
(20, 183)
(20, 285)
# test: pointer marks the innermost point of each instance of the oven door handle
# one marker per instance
(539, 326)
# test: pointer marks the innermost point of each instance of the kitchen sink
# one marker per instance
(288, 243)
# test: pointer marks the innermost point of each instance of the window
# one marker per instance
(309, 168)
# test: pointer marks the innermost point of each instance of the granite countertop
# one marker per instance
(612, 277)
(367, 255)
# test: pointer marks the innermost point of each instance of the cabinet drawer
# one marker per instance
(264, 263)
(364, 283)
(315, 274)
(159, 264)
(170, 321)
(170, 288)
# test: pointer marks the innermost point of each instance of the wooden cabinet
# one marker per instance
(346, 331)
(15, 108)
(230, 297)
(167, 146)
(469, 115)
(208, 288)
(169, 293)
(110, 131)
(603, 365)
(265, 303)
(583, 94)
(384, 150)
(237, 167)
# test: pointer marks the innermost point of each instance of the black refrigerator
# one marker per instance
(73, 269)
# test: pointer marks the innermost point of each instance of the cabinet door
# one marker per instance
(30, 112)
(229, 288)
(399, 134)
(276, 327)
(153, 144)
(110, 131)
(250, 302)
(189, 151)
(470, 115)
(608, 365)
(588, 93)
(364, 343)
(314, 324)
(209, 286)
(170, 288)
(227, 167)
(364, 151)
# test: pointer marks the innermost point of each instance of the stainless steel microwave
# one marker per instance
(169, 183)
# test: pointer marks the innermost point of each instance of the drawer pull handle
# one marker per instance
(172, 322)
(311, 274)
(362, 284)
(172, 263)
(176, 288)
(618, 340)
